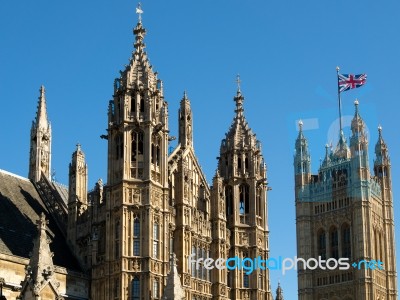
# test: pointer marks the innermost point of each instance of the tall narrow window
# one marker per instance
(133, 104)
(136, 289)
(155, 151)
(239, 163)
(156, 239)
(228, 200)
(116, 288)
(246, 281)
(117, 234)
(246, 163)
(322, 244)
(119, 147)
(258, 202)
(194, 261)
(244, 199)
(136, 237)
(346, 241)
(333, 234)
(142, 102)
(156, 291)
(377, 255)
(137, 154)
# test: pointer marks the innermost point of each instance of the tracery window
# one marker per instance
(137, 154)
(322, 244)
(334, 249)
(228, 200)
(346, 241)
(136, 289)
(156, 240)
(136, 237)
(244, 199)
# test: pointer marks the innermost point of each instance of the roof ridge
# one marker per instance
(14, 175)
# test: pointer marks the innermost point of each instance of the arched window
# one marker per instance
(246, 163)
(322, 244)
(239, 163)
(228, 200)
(141, 102)
(381, 243)
(194, 256)
(155, 151)
(376, 242)
(136, 289)
(133, 104)
(246, 281)
(137, 155)
(244, 199)
(117, 234)
(258, 202)
(156, 240)
(136, 237)
(119, 146)
(346, 241)
(334, 247)
(156, 289)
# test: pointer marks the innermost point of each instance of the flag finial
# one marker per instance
(139, 11)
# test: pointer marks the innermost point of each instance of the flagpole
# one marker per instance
(340, 101)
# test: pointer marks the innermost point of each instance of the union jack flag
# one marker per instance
(350, 81)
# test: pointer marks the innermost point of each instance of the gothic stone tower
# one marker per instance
(40, 149)
(345, 212)
(77, 202)
(137, 208)
(241, 179)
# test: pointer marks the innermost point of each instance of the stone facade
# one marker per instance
(346, 211)
(156, 203)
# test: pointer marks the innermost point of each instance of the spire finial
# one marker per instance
(185, 95)
(238, 81)
(78, 146)
(300, 125)
(139, 11)
(380, 130)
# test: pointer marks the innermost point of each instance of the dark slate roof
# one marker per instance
(20, 208)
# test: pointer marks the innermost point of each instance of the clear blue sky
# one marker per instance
(285, 51)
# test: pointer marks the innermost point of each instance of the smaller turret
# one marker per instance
(279, 293)
(40, 149)
(382, 159)
(302, 159)
(185, 123)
